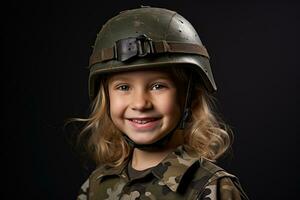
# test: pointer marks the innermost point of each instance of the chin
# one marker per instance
(144, 141)
(141, 138)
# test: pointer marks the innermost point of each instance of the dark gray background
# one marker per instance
(254, 50)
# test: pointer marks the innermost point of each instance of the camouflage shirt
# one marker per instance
(181, 175)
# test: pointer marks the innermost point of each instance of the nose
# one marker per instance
(141, 101)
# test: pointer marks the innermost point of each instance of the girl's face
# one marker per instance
(144, 105)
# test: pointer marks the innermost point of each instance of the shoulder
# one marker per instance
(223, 188)
(207, 172)
(221, 184)
(213, 182)
(85, 187)
(83, 192)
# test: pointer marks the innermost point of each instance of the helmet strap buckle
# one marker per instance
(145, 45)
(133, 46)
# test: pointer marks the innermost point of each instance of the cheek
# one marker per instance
(170, 106)
(116, 105)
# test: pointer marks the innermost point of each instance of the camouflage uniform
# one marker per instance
(181, 175)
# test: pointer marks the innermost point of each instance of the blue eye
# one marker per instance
(123, 87)
(157, 86)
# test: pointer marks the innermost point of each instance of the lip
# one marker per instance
(149, 124)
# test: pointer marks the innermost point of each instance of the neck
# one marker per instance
(143, 159)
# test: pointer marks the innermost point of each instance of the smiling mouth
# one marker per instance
(144, 124)
(143, 121)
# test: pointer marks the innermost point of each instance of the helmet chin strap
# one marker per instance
(181, 125)
(156, 145)
(187, 112)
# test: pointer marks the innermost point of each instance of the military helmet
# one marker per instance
(148, 37)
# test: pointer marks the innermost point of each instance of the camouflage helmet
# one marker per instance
(148, 37)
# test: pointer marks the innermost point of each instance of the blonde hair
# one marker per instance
(205, 133)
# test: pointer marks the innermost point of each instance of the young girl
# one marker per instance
(152, 132)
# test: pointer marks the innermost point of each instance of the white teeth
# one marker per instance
(140, 121)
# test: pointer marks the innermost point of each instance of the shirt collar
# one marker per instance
(170, 171)
(108, 171)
